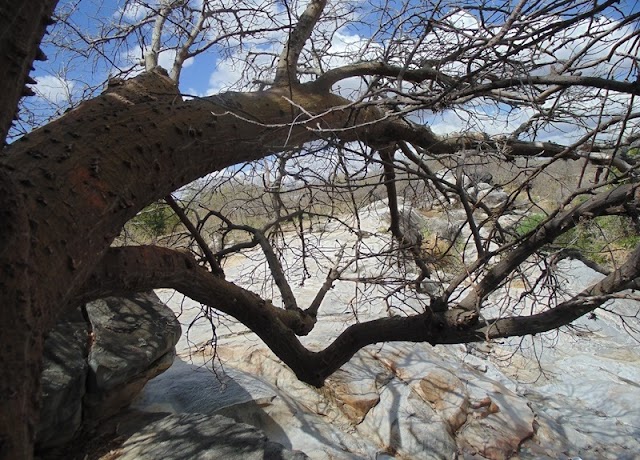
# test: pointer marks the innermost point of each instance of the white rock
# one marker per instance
(553, 396)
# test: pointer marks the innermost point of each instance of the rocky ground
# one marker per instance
(567, 395)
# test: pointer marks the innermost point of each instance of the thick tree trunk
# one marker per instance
(21, 335)
(69, 187)
(22, 24)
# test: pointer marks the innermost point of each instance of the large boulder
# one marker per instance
(478, 186)
(412, 223)
(96, 361)
(64, 378)
(491, 196)
(402, 400)
(135, 340)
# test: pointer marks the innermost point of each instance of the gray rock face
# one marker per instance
(478, 188)
(93, 370)
(411, 222)
(492, 400)
(64, 379)
(494, 198)
(134, 341)
(199, 437)
(447, 225)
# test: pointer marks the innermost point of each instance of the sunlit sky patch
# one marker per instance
(362, 33)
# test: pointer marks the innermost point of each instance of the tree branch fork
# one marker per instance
(141, 268)
(201, 150)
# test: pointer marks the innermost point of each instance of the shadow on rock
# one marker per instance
(193, 393)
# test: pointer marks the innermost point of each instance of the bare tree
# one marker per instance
(335, 127)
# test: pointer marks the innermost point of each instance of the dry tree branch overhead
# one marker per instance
(438, 107)
(286, 71)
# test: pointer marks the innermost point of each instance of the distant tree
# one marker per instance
(334, 106)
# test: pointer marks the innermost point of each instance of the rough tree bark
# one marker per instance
(22, 25)
(69, 187)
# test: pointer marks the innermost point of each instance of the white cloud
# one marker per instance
(349, 48)
(53, 89)
(241, 72)
(487, 118)
(166, 59)
(461, 19)
(134, 11)
(225, 75)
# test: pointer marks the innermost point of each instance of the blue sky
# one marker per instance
(211, 71)
(195, 77)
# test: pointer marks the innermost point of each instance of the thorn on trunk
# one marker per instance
(26, 91)
(40, 56)
(73, 265)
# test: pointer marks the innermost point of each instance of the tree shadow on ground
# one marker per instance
(174, 416)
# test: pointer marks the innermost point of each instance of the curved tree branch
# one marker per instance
(398, 130)
(546, 233)
(140, 268)
(382, 69)
(570, 310)
(152, 55)
(288, 61)
(556, 80)
(146, 267)
(426, 73)
(208, 255)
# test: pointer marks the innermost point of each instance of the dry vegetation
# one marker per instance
(224, 209)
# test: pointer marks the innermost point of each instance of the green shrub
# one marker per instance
(604, 239)
(155, 220)
(529, 223)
